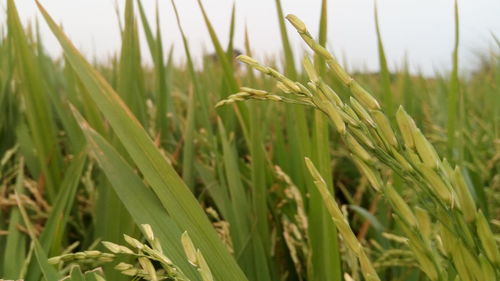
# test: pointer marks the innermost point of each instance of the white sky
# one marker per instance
(421, 30)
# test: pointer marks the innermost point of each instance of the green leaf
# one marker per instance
(174, 195)
(131, 89)
(15, 249)
(385, 75)
(48, 271)
(37, 111)
(140, 201)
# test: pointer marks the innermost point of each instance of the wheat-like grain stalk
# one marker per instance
(373, 143)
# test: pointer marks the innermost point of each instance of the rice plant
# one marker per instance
(239, 171)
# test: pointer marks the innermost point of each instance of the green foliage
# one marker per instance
(110, 151)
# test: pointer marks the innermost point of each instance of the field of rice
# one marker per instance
(241, 169)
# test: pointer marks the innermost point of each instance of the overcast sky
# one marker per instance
(420, 30)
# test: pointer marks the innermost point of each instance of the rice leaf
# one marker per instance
(158, 172)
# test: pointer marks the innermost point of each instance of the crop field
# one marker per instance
(285, 169)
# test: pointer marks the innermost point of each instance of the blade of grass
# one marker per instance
(296, 124)
(135, 195)
(385, 76)
(48, 271)
(248, 239)
(325, 257)
(162, 83)
(230, 47)
(131, 89)
(158, 172)
(454, 151)
(188, 149)
(290, 70)
(231, 85)
(38, 112)
(52, 237)
(259, 166)
(156, 50)
(148, 32)
(200, 96)
(15, 249)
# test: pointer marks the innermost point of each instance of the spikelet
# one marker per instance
(404, 211)
(252, 63)
(133, 242)
(203, 269)
(425, 150)
(148, 267)
(488, 272)
(362, 137)
(356, 148)
(465, 199)
(437, 184)
(364, 97)
(309, 68)
(117, 249)
(330, 94)
(189, 248)
(472, 265)
(148, 232)
(368, 172)
(407, 127)
(385, 127)
(487, 238)
(424, 223)
(425, 263)
(297, 23)
(333, 112)
(361, 112)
